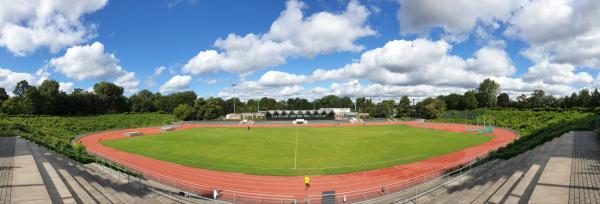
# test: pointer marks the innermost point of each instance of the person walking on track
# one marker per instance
(306, 182)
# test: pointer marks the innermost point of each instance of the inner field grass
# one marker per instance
(297, 150)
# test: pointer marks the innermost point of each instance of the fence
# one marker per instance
(195, 189)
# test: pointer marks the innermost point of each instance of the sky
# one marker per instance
(250, 49)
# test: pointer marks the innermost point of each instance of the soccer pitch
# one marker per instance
(292, 151)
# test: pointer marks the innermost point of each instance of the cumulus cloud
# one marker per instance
(9, 78)
(421, 61)
(291, 35)
(27, 25)
(92, 62)
(176, 83)
(566, 31)
(67, 87)
(553, 73)
(277, 78)
(455, 17)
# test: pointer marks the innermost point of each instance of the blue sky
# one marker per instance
(375, 48)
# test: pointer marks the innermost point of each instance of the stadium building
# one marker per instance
(320, 114)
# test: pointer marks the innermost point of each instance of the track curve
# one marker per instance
(257, 188)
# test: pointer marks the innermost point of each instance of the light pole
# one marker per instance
(233, 85)
(355, 84)
(314, 101)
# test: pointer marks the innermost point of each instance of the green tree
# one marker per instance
(404, 107)
(49, 91)
(143, 101)
(503, 100)
(183, 111)
(537, 99)
(487, 92)
(454, 102)
(469, 100)
(32, 101)
(431, 108)
(20, 88)
(111, 96)
(585, 98)
(595, 98)
(3, 95)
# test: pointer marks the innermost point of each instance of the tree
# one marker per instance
(404, 107)
(585, 98)
(3, 95)
(537, 99)
(210, 109)
(503, 100)
(32, 101)
(49, 91)
(20, 88)
(431, 108)
(111, 96)
(488, 90)
(595, 98)
(469, 100)
(454, 102)
(143, 101)
(183, 111)
(187, 97)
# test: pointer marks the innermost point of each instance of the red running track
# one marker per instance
(279, 189)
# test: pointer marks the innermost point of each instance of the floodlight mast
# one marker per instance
(314, 101)
(355, 84)
(233, 85)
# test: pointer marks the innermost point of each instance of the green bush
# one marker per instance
(56, 132)
(535, 127)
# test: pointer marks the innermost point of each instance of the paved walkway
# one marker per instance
(27, 183)
(585, 169)
(554, 183)
(7, 153)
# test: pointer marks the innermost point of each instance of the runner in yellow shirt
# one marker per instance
(306, 182)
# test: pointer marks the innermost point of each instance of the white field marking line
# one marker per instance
(296, 149)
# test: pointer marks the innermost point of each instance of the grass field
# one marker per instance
(297, 150)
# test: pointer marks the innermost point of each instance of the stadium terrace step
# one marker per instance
(499, 181)
(61, 189)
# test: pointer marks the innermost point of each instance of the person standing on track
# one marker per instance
(306, 182)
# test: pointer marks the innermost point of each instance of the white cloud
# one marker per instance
(491, 61)
(290, 90)
(92, 62)
(420, 62)
(159, 70)
(9, 78)
(457, 17)
(209, 81)
(128, 81)
(27, 25)
(291, 35)
(87, 62)
(176, 83)
(553, 73)
(66, 86)
(277, 78)
(565, 31)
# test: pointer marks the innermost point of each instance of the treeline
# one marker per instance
(106, 97)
